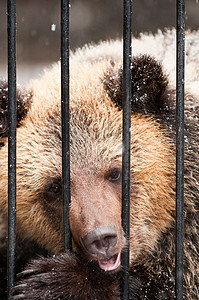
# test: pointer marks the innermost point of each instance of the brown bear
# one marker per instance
(92, 270)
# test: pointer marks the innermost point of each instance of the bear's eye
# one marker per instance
(53, 191)
(115, 175)
(55, 188)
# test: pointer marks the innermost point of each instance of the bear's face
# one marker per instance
(96, 172)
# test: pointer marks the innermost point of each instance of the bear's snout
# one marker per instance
(101, 240)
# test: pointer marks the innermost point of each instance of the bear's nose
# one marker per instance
(101, 240)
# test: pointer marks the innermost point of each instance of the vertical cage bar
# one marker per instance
(180, 149)
(65, 119)
(126, 141)
(12, 121)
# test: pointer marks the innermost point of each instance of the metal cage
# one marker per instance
(65, 136)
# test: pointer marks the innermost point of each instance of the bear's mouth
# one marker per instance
(110, 264)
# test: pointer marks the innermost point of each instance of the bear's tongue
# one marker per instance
(110, 264)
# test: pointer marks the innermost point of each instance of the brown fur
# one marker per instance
(100, 140)
(84, 281)
(23, 101)
(148, 85)
(96, 150)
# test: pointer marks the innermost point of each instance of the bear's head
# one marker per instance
(96, 161)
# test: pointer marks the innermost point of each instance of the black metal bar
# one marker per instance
(65, 120)
(126, 141)
(12, 121)
(180, 149)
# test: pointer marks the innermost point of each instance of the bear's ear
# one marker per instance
(23, 105)
(149, 86)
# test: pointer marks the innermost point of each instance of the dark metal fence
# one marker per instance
(126, 140)
(12, 120)
(11, 9)
(65, 119)
(179, 148)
